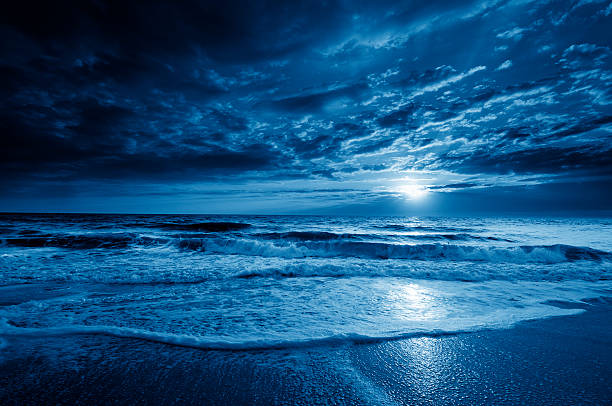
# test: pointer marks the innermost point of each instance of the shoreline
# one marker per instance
(558, 360)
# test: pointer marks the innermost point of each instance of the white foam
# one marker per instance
(336, 312)
(376, 250)
(228, 343)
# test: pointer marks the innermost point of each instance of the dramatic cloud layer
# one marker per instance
(306, 106)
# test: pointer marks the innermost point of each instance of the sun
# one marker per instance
(414, 191)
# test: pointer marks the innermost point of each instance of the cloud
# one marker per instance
(505, 65)
(542, 160)
(324, 94)
(317, 100)
(462, 185)
(515, 33)
(446, 82)
(584, 55)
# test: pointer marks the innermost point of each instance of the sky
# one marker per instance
(323, 107)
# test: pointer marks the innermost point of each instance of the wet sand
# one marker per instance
(563, 360)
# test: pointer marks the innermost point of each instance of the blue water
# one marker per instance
(235, 282)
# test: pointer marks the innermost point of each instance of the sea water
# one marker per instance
(244, 282)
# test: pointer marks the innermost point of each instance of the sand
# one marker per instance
(562, 360)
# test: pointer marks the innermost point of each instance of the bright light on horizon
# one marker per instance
(414, 191)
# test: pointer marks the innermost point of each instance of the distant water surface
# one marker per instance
(235, 282)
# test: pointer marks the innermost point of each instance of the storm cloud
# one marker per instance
(259, 99)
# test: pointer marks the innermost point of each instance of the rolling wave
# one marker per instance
(325, 244)
(215, 227)
(463, 272)
(435, 229)
(219, 344)
(311, 236)
(84, 241)
(545, 254)
(326, 236)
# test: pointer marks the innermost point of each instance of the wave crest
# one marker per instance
(546, 254)
(205, 343)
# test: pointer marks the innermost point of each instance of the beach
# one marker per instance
(560, 360)
(138, 309)
(306, 203)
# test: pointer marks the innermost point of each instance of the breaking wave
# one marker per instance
(326, 236)
(221, 344)
(545, 254)
(324, 244)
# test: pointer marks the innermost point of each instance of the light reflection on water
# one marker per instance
(296, 278)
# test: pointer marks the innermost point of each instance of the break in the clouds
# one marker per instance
(306, 106)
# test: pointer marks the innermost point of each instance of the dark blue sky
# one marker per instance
(320, 107)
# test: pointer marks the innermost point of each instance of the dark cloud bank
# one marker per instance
(306, 106)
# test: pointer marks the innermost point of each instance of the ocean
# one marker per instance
(278, 283)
